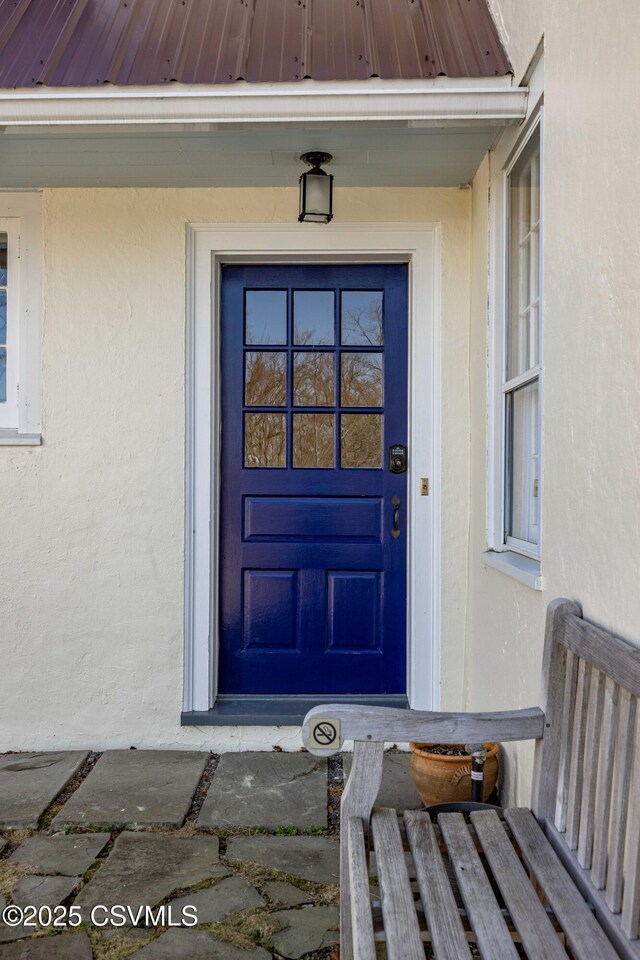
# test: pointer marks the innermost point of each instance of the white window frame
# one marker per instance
(20, 416)
(517, 558)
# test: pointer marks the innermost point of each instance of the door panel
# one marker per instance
(314, 388)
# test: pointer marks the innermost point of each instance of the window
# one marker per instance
(515, 348)
(521, 352)
(20, 271)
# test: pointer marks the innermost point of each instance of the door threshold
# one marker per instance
(278, 710)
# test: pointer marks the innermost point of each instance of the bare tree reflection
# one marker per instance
(361, 379)
(362, 318)
(313, 379)
(265, 439)
(361, 440)
(266, 378)
(313, 440)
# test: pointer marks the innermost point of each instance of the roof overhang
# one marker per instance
(441, 102)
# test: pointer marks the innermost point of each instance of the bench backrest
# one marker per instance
(587, 770)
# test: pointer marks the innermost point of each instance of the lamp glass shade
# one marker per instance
(316, 196)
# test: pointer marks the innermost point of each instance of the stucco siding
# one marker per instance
(591, 351)
(93, 521)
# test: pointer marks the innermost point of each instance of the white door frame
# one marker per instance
(210, 245)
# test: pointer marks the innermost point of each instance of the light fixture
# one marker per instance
(316, 189)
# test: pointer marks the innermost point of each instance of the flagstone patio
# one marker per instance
(247, 842)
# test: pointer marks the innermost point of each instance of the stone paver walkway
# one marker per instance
(269, 790)
(242, 842)
(136, 788)
(30, 781)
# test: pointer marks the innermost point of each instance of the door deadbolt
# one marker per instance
(397, 458)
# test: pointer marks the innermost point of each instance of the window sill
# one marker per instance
(514, 565)
(11, 438)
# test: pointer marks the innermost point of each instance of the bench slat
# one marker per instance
(358, 799)
(577, 754)
(540, 940)
(443, 919)
(566, 739)
(485, 916)
(631, 898)
(584, 935)
(619, 797)
(590, 769)
(604, 787)
(364, 947)
(398, 908)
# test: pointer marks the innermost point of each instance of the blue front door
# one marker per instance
(313, 521)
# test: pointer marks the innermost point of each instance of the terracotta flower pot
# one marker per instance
(443, 779)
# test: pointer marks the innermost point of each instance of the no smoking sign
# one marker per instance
(324, 734)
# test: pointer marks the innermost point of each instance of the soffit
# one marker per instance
(365, 154)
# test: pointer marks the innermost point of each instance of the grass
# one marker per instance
(246, 930)
(10, 875)
(116, 947)
(321, 893)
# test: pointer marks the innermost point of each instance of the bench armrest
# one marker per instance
(325, 728)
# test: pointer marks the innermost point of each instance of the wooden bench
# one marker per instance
(560, 880)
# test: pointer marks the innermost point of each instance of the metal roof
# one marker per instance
(82, 43)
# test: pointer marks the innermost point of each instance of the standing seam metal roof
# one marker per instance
(142, 42)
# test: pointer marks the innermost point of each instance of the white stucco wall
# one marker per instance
(591, 405)
(91, 569)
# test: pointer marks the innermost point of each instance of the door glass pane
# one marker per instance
(524, 522)
(3, 259)
(313, 439)
(265, 378)
(265, 317)
(361, 317)
(524, 261)
(361, 379)
(361, 440)
(313, 379)
(265, 439)
(313, 317)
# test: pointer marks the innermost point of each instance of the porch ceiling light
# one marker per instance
(316, 190)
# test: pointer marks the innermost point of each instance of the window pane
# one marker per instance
(313, 439)
(313, 317)
(3, 259)
(523, 457)
(265, 378)
(361, 380)
(3, 375)
(523, 300)
(313, 379)
(265, 439)
(3, 318)
(362, 317)
(266, 316)
(361, 440)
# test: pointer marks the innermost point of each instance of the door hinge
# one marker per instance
(424, 487)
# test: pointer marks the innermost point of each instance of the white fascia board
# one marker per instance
(442, 101)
